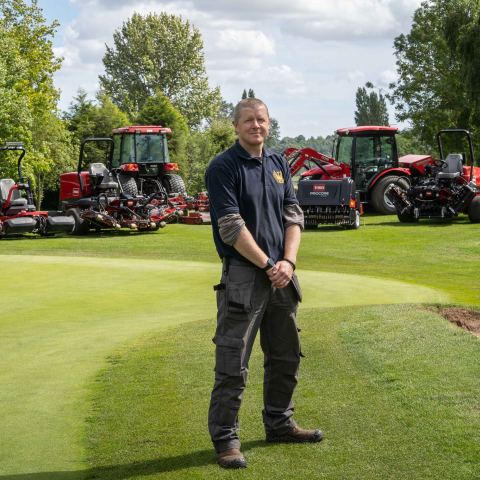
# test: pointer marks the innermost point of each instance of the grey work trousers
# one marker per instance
(247, 301)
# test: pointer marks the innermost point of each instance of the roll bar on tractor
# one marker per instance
(23, 182)
(80, 159)
(459, 131)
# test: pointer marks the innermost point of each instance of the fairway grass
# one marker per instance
(64, 315)
(395, 389)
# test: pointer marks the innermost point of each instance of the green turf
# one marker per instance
(438, 253)
(395, 389)
(74, 311)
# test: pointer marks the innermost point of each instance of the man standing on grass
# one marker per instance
(256, 223)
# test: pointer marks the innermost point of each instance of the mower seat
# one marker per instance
(16, 200)
(104, 178)
(453, 169)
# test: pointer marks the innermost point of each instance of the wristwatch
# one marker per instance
(270, 264)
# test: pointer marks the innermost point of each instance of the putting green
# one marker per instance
(61, 317)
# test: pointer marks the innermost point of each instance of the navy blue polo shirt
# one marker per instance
(257, 190)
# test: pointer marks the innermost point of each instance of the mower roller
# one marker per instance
(99, 199)
(440, 188)
(18, 215)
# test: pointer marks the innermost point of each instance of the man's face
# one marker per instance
(253, 125)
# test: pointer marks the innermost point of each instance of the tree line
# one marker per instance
(155, 74)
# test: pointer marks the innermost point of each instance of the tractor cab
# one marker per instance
(142, 153)
(368, 151)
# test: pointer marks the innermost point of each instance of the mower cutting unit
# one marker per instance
(18, 214)
(98, 199)
(326, 193)
(439, 188)
(199, 203)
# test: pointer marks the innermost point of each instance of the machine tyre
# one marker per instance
(356, 223)
(474, 210)
(82, 226)
(407, 218)
(129, 185)
(379, 200)
(174, 184)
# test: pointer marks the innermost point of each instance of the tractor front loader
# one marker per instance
(98, 199)
(18, 215)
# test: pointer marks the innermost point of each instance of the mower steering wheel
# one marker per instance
(440, 163)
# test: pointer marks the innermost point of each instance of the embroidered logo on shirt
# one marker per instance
(278, 176)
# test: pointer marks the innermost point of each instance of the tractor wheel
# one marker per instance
(129, 185)
(356, 223)
(407, 218)
(151, 185)
(474, 210)
(174, 184)
(82, 226)
(380, 201)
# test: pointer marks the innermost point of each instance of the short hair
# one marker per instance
(247, 103)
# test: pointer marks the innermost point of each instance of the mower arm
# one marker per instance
(297, 159)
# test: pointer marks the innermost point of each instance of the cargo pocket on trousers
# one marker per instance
(228, 355)
(239, 296)
(296, 284)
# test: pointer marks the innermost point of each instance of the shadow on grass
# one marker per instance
(148, 467)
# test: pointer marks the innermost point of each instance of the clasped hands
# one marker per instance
(281, 274)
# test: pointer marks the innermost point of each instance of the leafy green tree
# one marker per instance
(159, 52)
(26, 25)
(371, 108)
(431, 93)
(273, 134)
(319, 144)
(251, 93)
(202, 147)
(158, 110)
(244, 95)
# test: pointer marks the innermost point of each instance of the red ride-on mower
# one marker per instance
(326, 192)
(17, 214)
(98, 199)
(439, 188)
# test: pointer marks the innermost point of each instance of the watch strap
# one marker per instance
(290, 262)
(270, 264)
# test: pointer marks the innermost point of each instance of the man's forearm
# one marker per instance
(292, 242)
(247, 246)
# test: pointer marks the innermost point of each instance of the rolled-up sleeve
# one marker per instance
(230, 227)
(292, 215)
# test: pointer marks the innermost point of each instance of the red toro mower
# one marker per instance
(368, 155)
(98, 199)
(439, 188)
(17, 214)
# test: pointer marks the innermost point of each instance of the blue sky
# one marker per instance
(304, 59)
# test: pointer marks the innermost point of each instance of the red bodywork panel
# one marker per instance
(69, 187)
(346, 131)
(129, 167)
(142, 129)
(170, 166)
(402, 172)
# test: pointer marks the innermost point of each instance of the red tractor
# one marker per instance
(368, 155)
(98, 199)
(141, 152)
(17, 214)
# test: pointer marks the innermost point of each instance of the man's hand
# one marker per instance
(281, 278)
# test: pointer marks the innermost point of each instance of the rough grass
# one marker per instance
(395, 389)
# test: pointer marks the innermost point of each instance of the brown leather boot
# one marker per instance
(296, 435)
(231, 458)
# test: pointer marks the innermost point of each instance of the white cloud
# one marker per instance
(246, 43)
(352, 76)
(387, 77)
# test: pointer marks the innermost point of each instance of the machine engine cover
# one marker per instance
(326, 192)
(425, 192)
